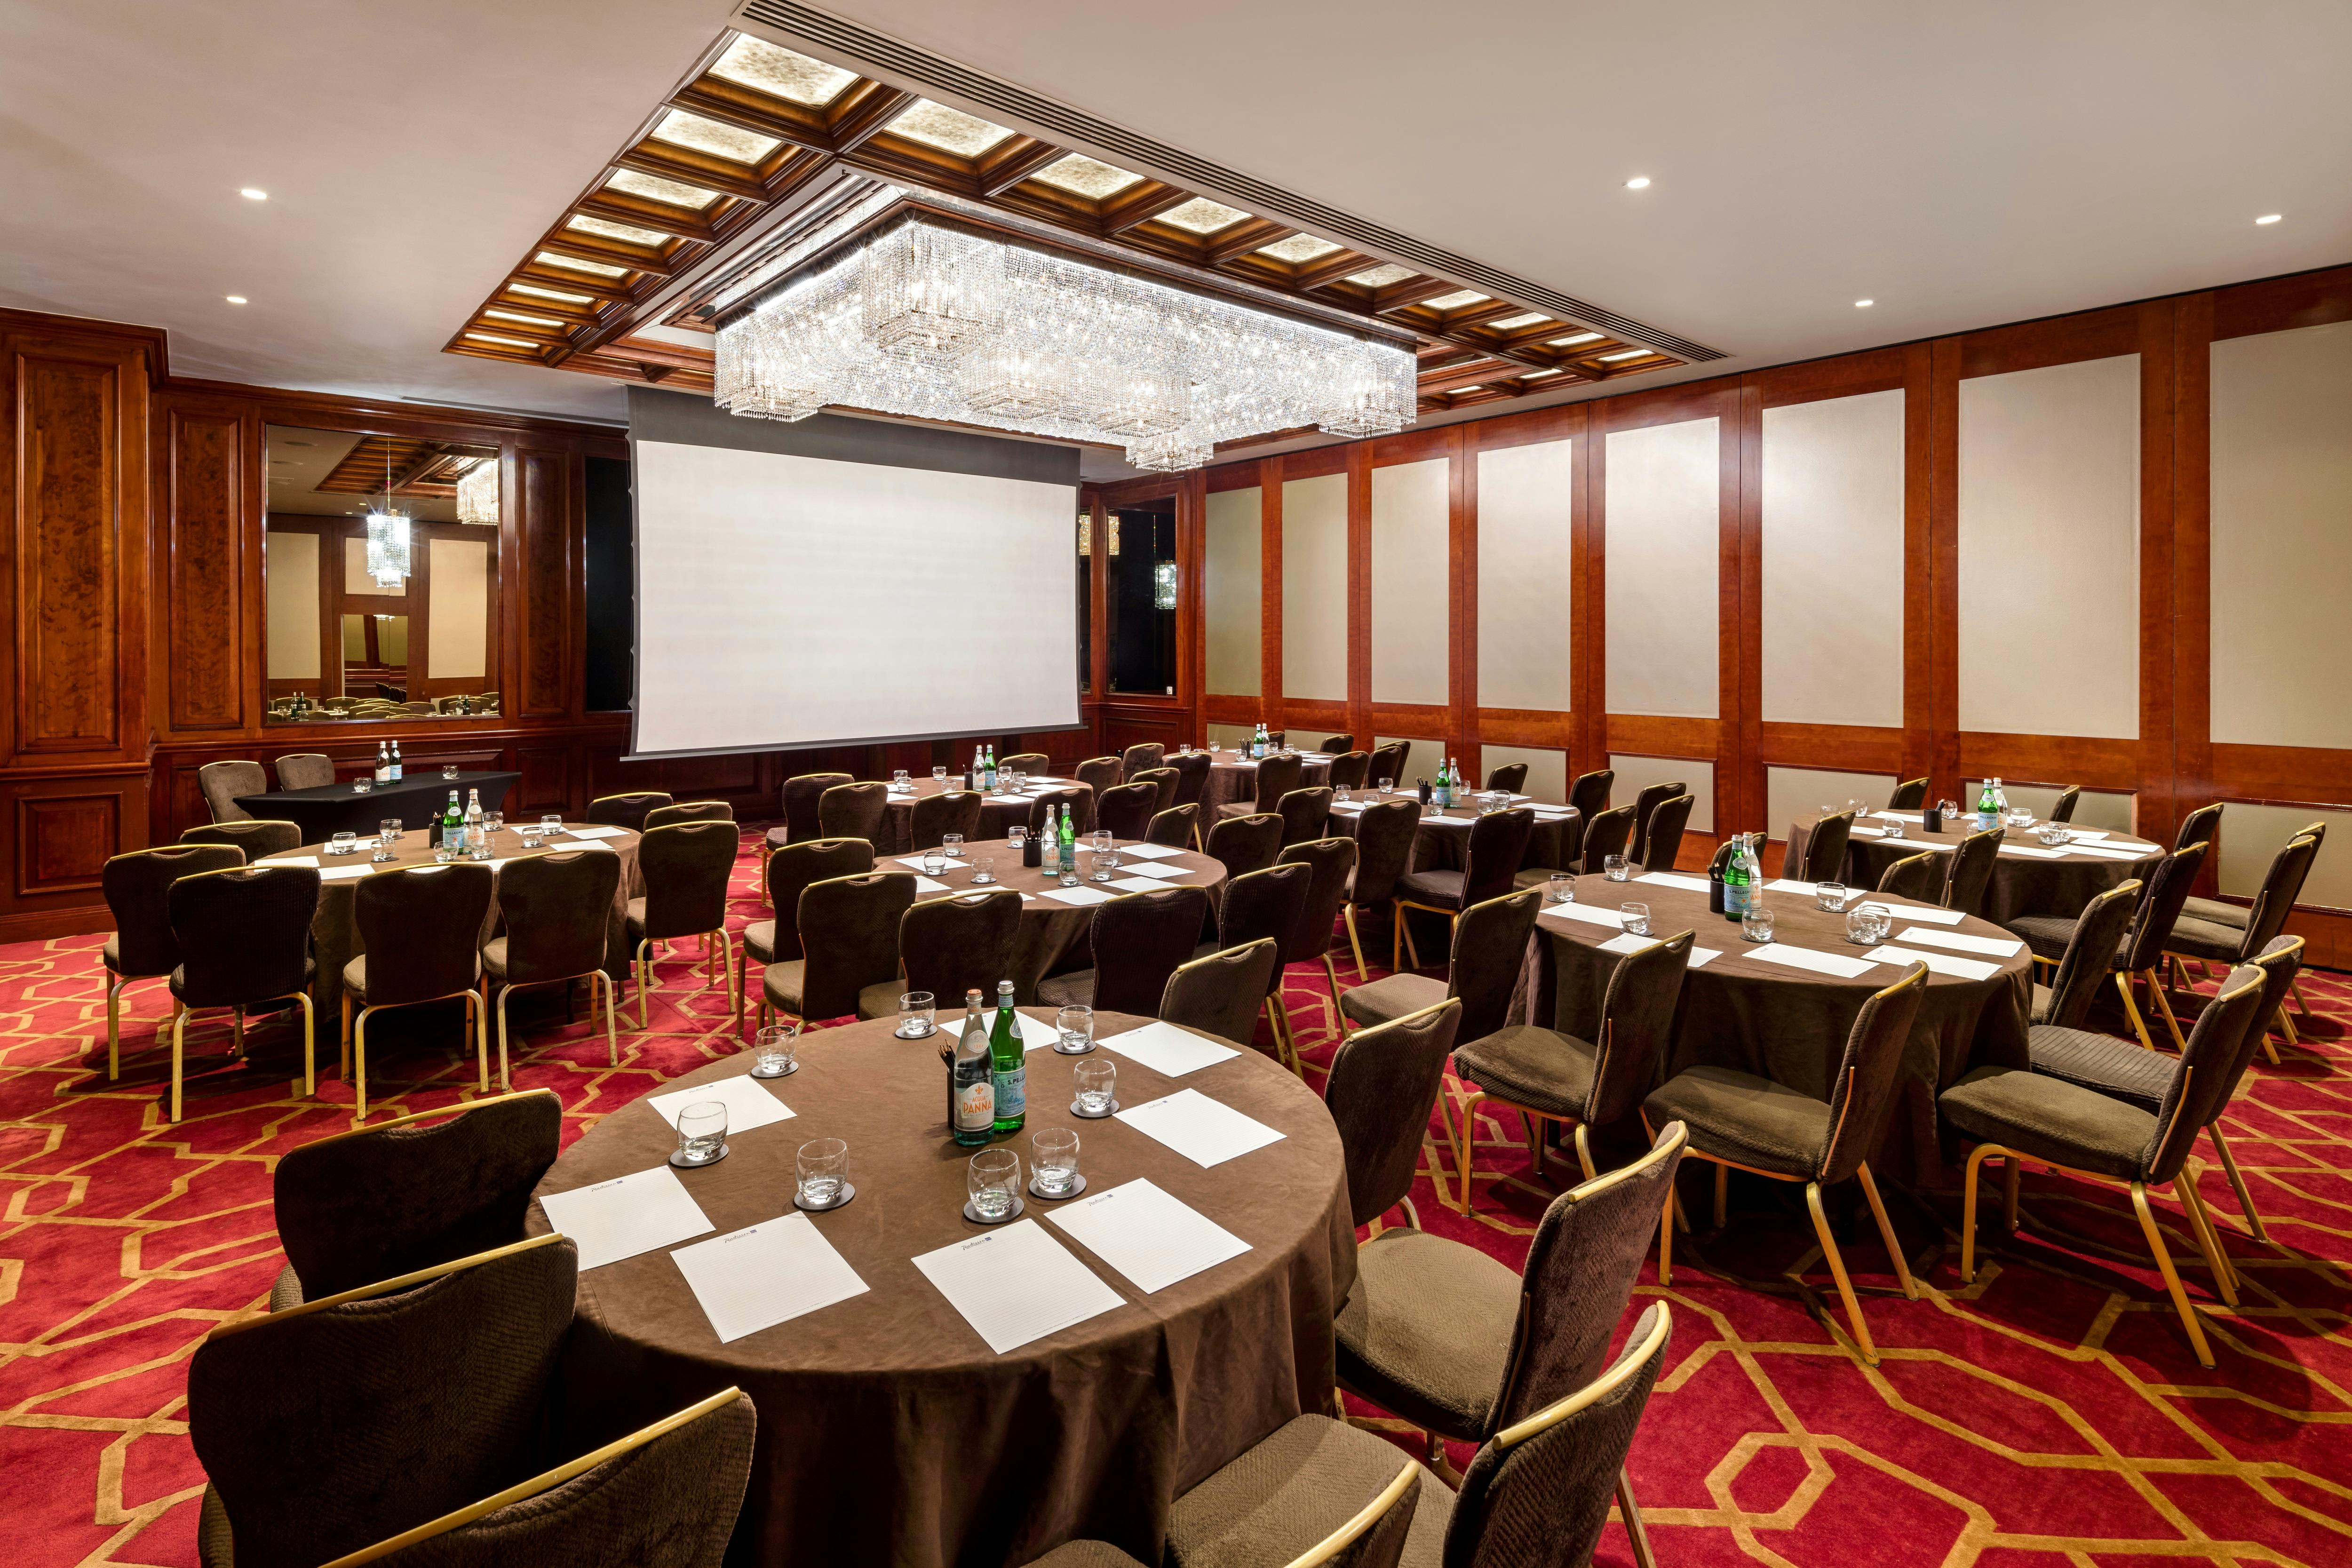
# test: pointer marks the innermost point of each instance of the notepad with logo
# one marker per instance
(765, 1273)
(1951, 964)
(1587, 914)
(1795, 957)
(641, 1212)
(1016, 1284)
(1167, 1050)
(1961, 941)
(749, 1103)
(1154, 1240)
(1206, 1131)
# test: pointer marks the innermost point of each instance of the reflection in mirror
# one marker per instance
(1139, 598)
(381, 560)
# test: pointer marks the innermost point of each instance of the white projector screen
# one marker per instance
(786, 603)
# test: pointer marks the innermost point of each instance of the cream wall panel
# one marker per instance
(1411, 547)
(291, 562)
(1547, 770)
(1232, 590)
(1792, 792)
(1420, 762)
(458, 613)
(1525, 551)
(1664, 535)
(2251, 834)
(2097, 808)
(1833, 611)
(2282, 535)
(1230, 735)
(1315, 588)
(1306, 739)
(2049, 550)
(1636, 773)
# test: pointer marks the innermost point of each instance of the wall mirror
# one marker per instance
(1139, 598)
(381, 561)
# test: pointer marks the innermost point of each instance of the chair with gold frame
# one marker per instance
(1490, 860)
(137, 887)
(687, 867)
(1141, 755)
(1909, 795)
(1645, 805)
(1970, 872)
(1385, 831)
(1606, 834)
(256, 837)
(1738, 1120)
(790, 868)
(626, 810)
(1919, 877)
(2211, 942)
(849, 940)
(556, 906)
(1662, 840)
(244, 935)
(2023, 1115)
(1333, 861)
(222, 783)
(2062, 808)
(801, 794)
(1266, 903)
(2140, 955)
(1221, 994)
(688, 811)
(420, 931)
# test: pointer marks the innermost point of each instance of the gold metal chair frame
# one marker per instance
(1460, 1139)
(1592, 1394)
(179, 1016)
(355, 1041)
(594, 977)
(717, 968)
(1403, 935)
(116, 984)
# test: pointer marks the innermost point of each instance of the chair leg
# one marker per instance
(1411, 950)
(310, 1047)
(477, 1015)
(1347, 913)
(343, 1066)
(1722, 1195)
(2238, 1184)
(1584, 1153)
(611, 1029)
(2012, 1168)
(727, 968)
(113, 1027)
(645, 970)
(2209, 1240)
(1273, 1022)
(2163, 1005)
(359, 1056)
(2287, 1027)
(1666, 1241)
(506, 1083)
(1630, 1513)
(1332, 975)
(1837, 1272)
(2131, 1008)
(2181, 1302)
(2294, 992)
(1465, 1132)
(1969, 1209)
(179, 1023)
(236, 1032)
(1396, 938)
(1887, 1233)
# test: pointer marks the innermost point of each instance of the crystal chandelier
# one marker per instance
(937, 323)
(387, 536)
(477, 493)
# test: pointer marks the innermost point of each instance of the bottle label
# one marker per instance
(976, 1106)
(1012, 1092)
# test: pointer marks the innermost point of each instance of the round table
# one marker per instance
(1786, 1024)
(2027, 879)
(998, 812)
(335, 932)
(888, 1432)
(1232, 777)
(1443, 837)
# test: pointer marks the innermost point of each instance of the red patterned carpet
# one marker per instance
(2051, 1415)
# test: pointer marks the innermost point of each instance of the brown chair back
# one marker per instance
(1590, 794)
(1971, 871)
(1909, 795)
(422, 929)
(1383, 1084)
(256, 837)
(1192, 777)
(1172, 828)
(245, 933)
(2199, 827)
(1919, 877)
(557, 906)
(2281, 885)
(341, 1422)
(949, 946)
(1030, 763)
(1164, 780)
(1077, 800)
(304, 770)
(1265, 904)
(853, 810)
(1511, 778)
(2279, 960)
(1278, 775)
(1333, 745)
(937, 816)
(690, 811)
(1825, 849)
(798, 864)
(687, 869)
(1141, 755)
(1126, 809)
(137, 886)
(1098, 774)
(1332, 860)
(1306, 813)
(2204, 1081)
(1604, 836)
(1349, 770)
(1663, 841)
(1140, 940)
(222, 783)
(387, 1200)
(2091, 953)
(1246, 844)
(1863, 1089)
(626, 810)
(2160, 907)
(1646, 804)
(1490, 946)
(849, 938)
(801, 794)
(2062, 810)
(1384, 834)
(1637, 1018)
(1498, 844)
(1388, 760)
(1222, 993)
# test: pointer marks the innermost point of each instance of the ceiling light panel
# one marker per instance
(1571, 340)
(1084, 176)
(780, 73)
(517, 316)
(1627, 354)
(536, 292)
(1381, 277)
(654, 188)
(502, 343)
(698, 134)
(1455, 300)
(1298, 249)
(1201, 215)
(550, 259)
(949, 130)
(1513, 323)
(650, 238)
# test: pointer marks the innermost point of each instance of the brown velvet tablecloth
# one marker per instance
(1439, 843)
(888, 1432)
(335, 932)
(1788, 1024)
(997, 812)
(1050, 929)
(2021, 885)
(1234, 777)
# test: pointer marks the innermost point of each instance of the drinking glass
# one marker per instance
(550, 824)
(2053, 834)
(1339, 792)
(899, 784)
(951, 846)
(1830, 896)
(1948, 807)
(994, 1180)
(1613, 867)
(1637, 917)
(448, 770)
(917, 1015)
(1102, 840)
(1386, 787)
(773, 1050)
(1894, 826)
(938, 776)
(363, 786)
(389, 830)
(1756, 925)
(1858, 925)
(1076, 1028)
(1020, 781)
(1066, 878)
(1101, 867)
(935, 861)
(1054, 1161)
(1560, 887)
(701, 1133)
(443, 854)
(1095, 1082)
(343, 843)
(983, 870)
(493, 821)
(822, 1167)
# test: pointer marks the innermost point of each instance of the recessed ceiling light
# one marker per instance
(254, 193)
(2270, 217)
(1627, 354)
(1455, 300)
(236, 299)
(1513, 323)
(1573, 340)
(1638, 183)
(1460, 390)
(1864, 304)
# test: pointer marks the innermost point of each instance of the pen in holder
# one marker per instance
(1424, 791)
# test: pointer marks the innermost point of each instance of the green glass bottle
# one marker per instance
(1069, 845)
(1736, 885)
(1988, 809)
(453, 822)
(1008, 1065)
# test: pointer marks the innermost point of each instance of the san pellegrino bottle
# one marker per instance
(452, 823)
(1011, 1072)
(395, 762)
(988, 768)
(1258, 742)
(1737, 884)
(1069, 842)
(972, 1079)
(1988, 807)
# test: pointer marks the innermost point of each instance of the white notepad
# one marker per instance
(1869, 832)
(309, 861)
(1920, 913)
(1700, 957)
(1150, 1238)
(912, 862)
(595, 832)
(1951, 964)
(926, 885)
(748, 1102)
(1677, 880)
(627, 1216)
(766, 1274)
(1155, 871)
(1350, 807)
(1033, 1032)
(1167, 1050)
(1835, 963)
(1901, 816)
(2023, 853)
(1999, 946)
(1787, 885)
(1205, 1131)
(2108, 851)
(1591, 914)
(1080, 897)
(1149, 851)
(1016, 1284)
(340, 873)
(1138, 884)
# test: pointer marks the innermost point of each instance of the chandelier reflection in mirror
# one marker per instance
(387, 536)
(477, 493)
(937, 323)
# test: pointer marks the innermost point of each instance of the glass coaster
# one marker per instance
(677, 1157)
(847, 1192)
(1063, 1048)
(785, 1071)
(1110, 1109)
(901, 1033)
(1015, 1212)
(1077, 1185)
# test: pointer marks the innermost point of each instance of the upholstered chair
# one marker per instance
(1825, 849)
(1770, 1129)
(854, 811)
(849, 941)
(2140, 955)
(946, 947)
(137, 887)
(1388, 761)
(256, 839)
(1334, 745)
(1490, 943)
(1349, 770)
(1546, 1075)
(1908, 795)
(791, 869)
(2199, 827)
(2213, 942)
(1919, 877)
(1590, 794)
(304, 770)
(379, 1202)
(2017, 1113)
(1498, 843)
(1077, 800)
(222, 783)
(1246, 844)
(1266, 903)
(1031, 763)
(937, 816)
(1164, 780)
(690, 811)
(2235, 915)
(1127, 810)
(1511, 778)
(420, 928)
(1278, 775)
(555, 907)
(2093, 945)
(1605, 834)
(1098, 774)
(1971, 871)
(1223, 993)
(800, 794)
(2062, 808)
(1645, 805)
(1333, 861)
(1172, 828)
(1663, 841)
(1192, 777)
(1306, 813)
(1144, 754)
(626, 810)
(687, 869)
(1138, 941)
(244, 935)
(1383, 1083)
(1385, 832)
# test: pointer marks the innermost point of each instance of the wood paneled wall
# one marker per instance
(2170, 766)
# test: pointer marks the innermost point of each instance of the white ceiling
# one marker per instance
(1961, 165)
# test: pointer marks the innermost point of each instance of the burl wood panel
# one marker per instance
(543, 613)
(68, 551)
(203, 478)
(64, 841)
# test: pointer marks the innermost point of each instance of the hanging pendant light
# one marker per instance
(387, 536)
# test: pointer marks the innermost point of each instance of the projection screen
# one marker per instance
(786, 601)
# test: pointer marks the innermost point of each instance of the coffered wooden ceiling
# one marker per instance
(757, 136)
